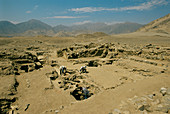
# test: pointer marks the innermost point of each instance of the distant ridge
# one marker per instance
(161, 25)
(33, 24)
(35, 27)
(96, 34)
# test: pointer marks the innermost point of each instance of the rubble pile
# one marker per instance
(156, 102)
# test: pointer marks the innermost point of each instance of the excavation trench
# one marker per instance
(79, 94)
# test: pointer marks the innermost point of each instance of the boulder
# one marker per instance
(38, 65)
(41, 59)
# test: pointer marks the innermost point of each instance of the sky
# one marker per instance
(76, 12)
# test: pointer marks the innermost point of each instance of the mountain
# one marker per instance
(35, 27)
(115, 28)
(126, 27)
(60, 28)
(7, 27)
(119, 28)
(89, 27)
(32, 27)
(161, 25)
(109, 29)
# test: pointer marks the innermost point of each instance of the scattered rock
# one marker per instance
(151, 96)
(27, 106)
(117, 111)
(56, 111)
(143, 107)
(163, 91)
(152, 103)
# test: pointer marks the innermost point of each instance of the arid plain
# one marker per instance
(126, 74)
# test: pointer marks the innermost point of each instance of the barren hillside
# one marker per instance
(161, 25)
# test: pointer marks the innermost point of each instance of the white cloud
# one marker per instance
(83, 22)
(143, 6)
(65, 17)
(91, 9)
(35, 7)
(114, 22)
(14, 22)
(28, 11)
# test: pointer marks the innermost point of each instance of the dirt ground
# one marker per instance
(126, 74)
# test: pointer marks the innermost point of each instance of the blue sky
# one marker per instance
(71, 12)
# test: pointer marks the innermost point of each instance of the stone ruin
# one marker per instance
(108, 52)
(112, 52)
(79, 51)
(16, 62)
(73, 82)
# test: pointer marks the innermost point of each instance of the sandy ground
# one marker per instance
(126, 77)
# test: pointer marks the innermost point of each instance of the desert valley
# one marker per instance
(127, 73)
